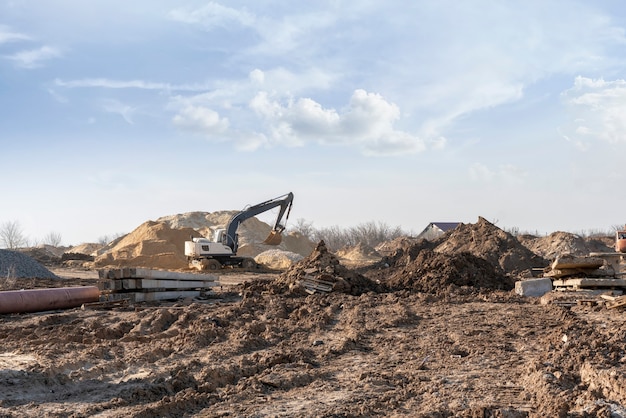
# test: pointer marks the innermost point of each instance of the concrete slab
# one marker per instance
(533, 287)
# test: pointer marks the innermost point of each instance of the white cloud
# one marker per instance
(480, 172)
(35, 57)
(508, 174)
(119, 108)
(7, 35)
(213, 15)
(596, 111)
(200, 120)
(367, 123)
(128, 84)
(58, 97)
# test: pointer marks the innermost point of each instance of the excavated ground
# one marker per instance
(428, 331)
(399, 354)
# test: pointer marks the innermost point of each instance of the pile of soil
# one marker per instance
(321, 265)
(423, 270)
(150, 245)
(358, 255)
(277, 259)
(160, 244)
(88, 248)
(485, 240)
(252, 232)
(561, 243)
(389, 248)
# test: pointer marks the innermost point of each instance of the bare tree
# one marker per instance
(53, 239)
(304, 227)
(370, 234)
(11, 235)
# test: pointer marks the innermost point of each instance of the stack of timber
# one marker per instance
(577, 273)
(146, 285)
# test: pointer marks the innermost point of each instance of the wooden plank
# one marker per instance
(589, 282)
(617, 302)
(309, 284)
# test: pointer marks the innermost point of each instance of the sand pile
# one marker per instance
(485, 240)
(561, 243)
(161, 244)
(14, 264)
(321, 265)
(277, 259)
(389, 248)
(252, 232)
(88, 248)
(151, 245)
(358, 255)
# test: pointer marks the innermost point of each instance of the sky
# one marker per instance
(113, 113)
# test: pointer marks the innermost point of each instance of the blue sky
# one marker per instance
(114, 112)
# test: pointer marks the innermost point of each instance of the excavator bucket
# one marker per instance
(274, 238)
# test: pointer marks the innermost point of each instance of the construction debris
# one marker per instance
(145, 285)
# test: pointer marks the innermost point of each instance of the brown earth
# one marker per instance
(424, 330)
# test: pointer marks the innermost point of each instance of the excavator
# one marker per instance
(204, 254)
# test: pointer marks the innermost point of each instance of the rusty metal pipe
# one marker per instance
(38, 300)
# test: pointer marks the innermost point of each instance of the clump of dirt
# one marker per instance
(485, 240)
(323, 266)
(561, 243)
(151, 245)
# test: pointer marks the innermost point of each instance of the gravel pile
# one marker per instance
(17, 265)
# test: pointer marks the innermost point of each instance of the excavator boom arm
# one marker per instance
(284, 201)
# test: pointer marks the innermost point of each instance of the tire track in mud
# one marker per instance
(276, 355)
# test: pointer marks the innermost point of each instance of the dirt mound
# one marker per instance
(42, 255)
(389, 248)
(252, 232)
(150, 245)
(15, 264)
(277, 259)
(358, 255)
(321, 266)
(88, 248)
(561, 243)
(433, 272)
(485, 240)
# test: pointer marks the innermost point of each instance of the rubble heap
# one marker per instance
(321, 272)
